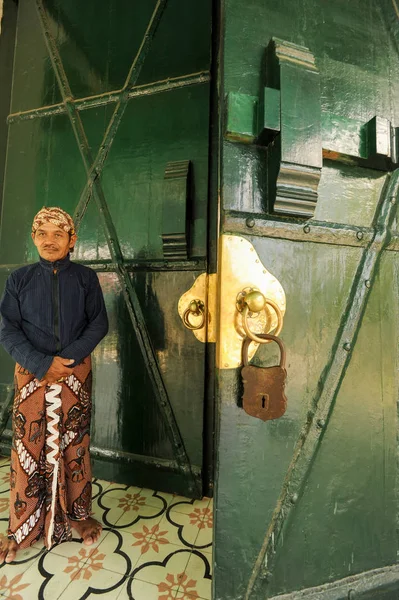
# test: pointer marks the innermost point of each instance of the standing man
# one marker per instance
(53, 316)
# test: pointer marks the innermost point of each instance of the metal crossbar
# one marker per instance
(329, 385)
(148, 89)
(93, 188)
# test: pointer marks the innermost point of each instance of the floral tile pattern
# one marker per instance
(154, 546)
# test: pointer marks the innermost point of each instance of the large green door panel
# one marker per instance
(350, 496)
(310, 499)
(97, 58)
(84, 135)
(7, 45)
(129, 389)
(259, 453)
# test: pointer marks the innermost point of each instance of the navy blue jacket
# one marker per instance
(46, 314)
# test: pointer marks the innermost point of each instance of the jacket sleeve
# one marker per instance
(96, 328)
(13, 338)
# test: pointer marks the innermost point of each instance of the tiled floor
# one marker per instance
(154, 546)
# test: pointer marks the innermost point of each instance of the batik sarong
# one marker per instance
(50, 477)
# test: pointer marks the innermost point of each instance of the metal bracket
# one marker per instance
(175, 234)
(287, 118)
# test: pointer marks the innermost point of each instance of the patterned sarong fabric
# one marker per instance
(50, 477)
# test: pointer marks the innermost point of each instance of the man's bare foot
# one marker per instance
(90, 530)
(8, 550)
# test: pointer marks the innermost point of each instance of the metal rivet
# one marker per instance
(367, 283)
(347, 346)
(321, 423)
(294, 498)
(250, 222)
(359, 235)
(306, 229)
(257, 260)
(264, 270)
(226, 365)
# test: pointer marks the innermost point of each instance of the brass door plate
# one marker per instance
(241, 271)
(203, 289)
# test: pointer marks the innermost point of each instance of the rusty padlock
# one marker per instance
(263, 395)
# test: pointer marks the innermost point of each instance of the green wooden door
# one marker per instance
(110, 105)
(306, 506)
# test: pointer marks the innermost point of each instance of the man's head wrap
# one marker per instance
(56, 216)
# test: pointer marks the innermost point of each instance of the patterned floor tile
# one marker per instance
(143, 590)
(4, 524)
(185, 505)
(197, 580)
(33, 580)
(15, 580)
(178, 529)
(153, 498)
(4, 476)
(154, 546)
(120, 552)
(76, 575)
(205, 536)
(4, 502)
(68, 549)
(99, 486)
(161, 566)
(124, 507)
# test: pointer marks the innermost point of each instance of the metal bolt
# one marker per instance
(321, 423)
(359, 235)
(250, 222)
(367, 283)
(226, 365)
(306, 229)
(294, 498)
(347, 346)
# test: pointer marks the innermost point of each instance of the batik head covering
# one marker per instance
(56, 216)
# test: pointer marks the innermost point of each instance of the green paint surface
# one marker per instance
(343, 522)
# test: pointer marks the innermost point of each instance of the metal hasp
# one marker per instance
(286, 118)
(175, 233)
(243, 272)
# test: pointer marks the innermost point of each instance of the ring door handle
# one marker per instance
(194, 312)
(254, 302)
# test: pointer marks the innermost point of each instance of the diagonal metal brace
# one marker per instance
(329, 385)
(93, 187)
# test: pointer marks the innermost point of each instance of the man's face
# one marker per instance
(52, 242)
